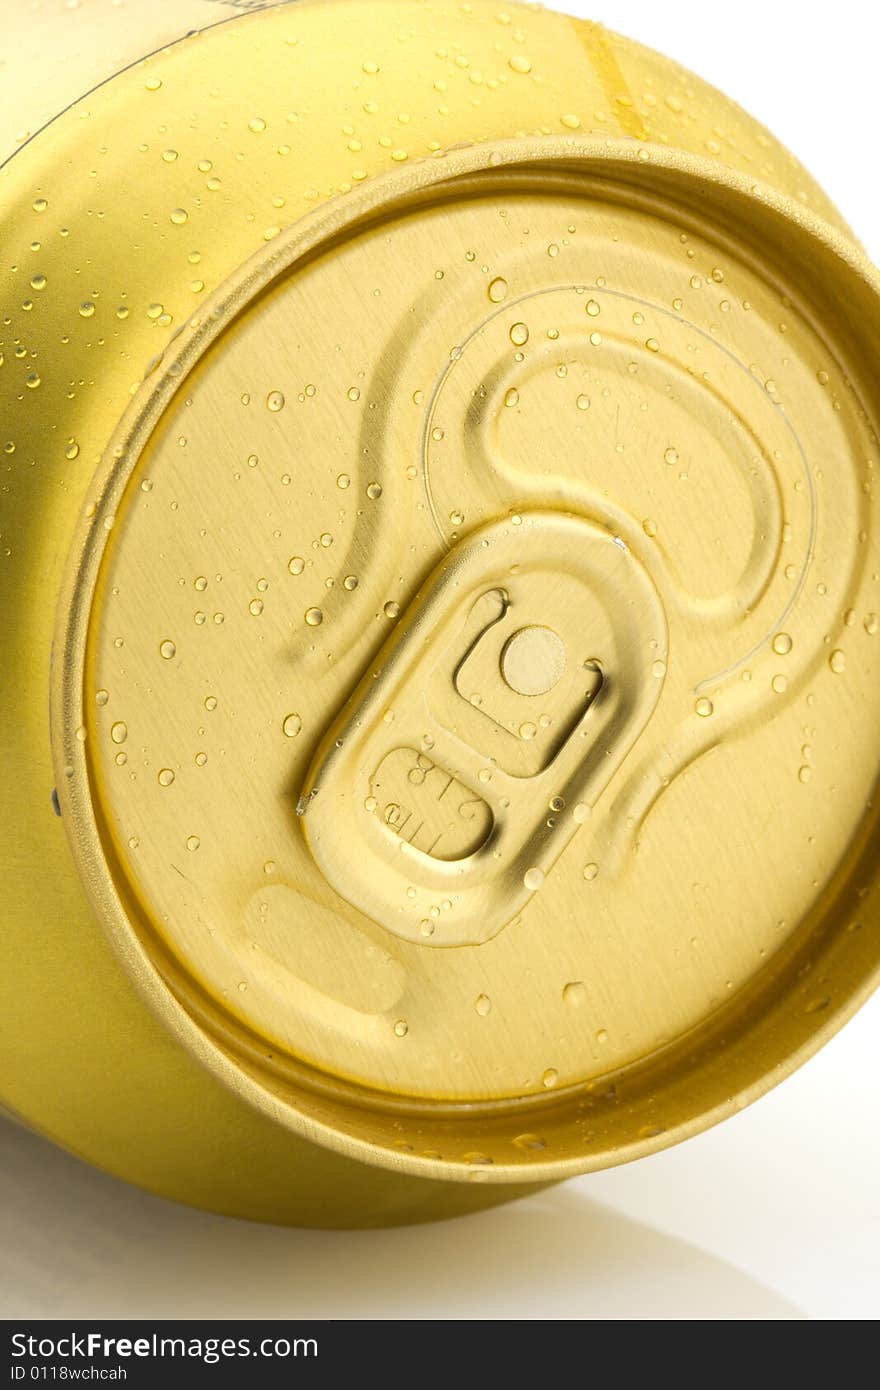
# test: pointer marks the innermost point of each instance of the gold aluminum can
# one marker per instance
(439, 496)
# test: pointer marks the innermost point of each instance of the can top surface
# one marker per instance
(466, 691)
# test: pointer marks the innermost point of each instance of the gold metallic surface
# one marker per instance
(446, 458)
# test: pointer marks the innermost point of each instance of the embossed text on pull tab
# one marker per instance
(515, 685)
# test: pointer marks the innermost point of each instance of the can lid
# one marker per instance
(467, 684)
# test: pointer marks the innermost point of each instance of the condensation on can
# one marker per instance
(440, 441)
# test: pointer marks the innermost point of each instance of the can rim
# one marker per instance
(623, 160)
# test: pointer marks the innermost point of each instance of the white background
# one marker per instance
(775, 1214)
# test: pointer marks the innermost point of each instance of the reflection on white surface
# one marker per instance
(772, 1215)
(84, 1245)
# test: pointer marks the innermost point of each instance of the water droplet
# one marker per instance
(671, 457)
(570, 121)
(401, 1028)
(201, 759)
(658, 669)
(296, 565)
(166, 777)
(782, 644)
(590, 872)
(119, 732)
(837, 661)
(593, 308)
(101, 697)
(704, 708)
(550, 1078)
(211, 703)
(533, 879)
(483, 1005)
(167, 649)
(779, 684)
(602, 1035)
(519, 334)
(872, 624)
(72, 449)
(816, 1006)
(255, 607)
(652, 345)
(256, 125)
(530, 1141)
(374, 491)
(804, 773)
(497, 290)
(32, 380)
(511, 398)
(350, 582)
(527, 731)
(392, 609)
(314, 617)
(574, 994)
(179, 216)
(519, 63)
(275, 401)
(583, 402)
(193, 843)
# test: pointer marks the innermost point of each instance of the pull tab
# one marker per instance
(515, 685)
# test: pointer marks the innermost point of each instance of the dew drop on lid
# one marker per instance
(166, 777)
(590, 872)
(392, 609)
(314, 617)
(193, 843)
(530, 1142)
(704, 708)
(511, 398)
(497, 290)
(519, 334)
(401, 1028)
(574, 994)
(550, 1078)
(374, 491)
(119, 732)
(533, 879)
(167, 649)
(296, 565)
(292, 725)
(483, 1005)
(275, 401)
(782, 644)
(837, 661)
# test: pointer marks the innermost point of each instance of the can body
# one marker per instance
(201, 238)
